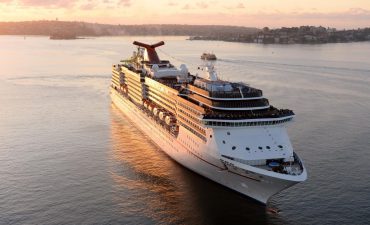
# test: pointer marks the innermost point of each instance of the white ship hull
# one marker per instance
(250, 181)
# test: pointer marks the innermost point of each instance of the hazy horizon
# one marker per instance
(183, 24)
(252, 13)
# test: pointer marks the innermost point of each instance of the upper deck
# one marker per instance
(221, 100)
(223, 90)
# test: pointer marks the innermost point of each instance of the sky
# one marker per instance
(250, 13)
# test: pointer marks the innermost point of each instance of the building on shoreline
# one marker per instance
(295, 35)
(309, 35)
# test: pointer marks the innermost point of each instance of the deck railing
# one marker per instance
(246, 92)
(275, 113)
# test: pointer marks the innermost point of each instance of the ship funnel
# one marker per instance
(151, 54)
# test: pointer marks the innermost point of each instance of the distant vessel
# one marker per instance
(225, 131)
(63, 36)
(208, 56)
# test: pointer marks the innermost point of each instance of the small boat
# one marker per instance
(63, 36)
(208, 56)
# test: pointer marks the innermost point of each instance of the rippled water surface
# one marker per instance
(68, 156)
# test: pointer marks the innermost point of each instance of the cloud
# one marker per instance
(48, 3)
(358, 11)
(353, 13)
(202, 5)
(42, 3)
(125, 2)
(81, 4)
(103, 4)
(235, 7)
(354, 17)
(240, 6)
(171, 3)
(88, 6)
(187, 6)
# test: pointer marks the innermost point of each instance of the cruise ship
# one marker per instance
(225, 131)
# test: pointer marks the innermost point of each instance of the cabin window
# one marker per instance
(259, 147)
(268, 147)
(224, 142)
(228, 133)
(247, 149)
(280, 146)
(233, 148)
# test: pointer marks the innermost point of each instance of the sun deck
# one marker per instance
(223, 90)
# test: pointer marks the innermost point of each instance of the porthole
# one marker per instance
(224, 142)
(233, 148)
(247, 149)
(259, 147)
(228, 133)
(268, 147)
(280, 146)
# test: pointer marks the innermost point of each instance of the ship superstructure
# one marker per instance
(225, 131)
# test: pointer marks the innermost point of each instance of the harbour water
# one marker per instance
(68, 156)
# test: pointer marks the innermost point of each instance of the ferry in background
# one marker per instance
(208, 56)
(225, 131)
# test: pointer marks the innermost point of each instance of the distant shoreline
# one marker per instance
(295, 35)
(93, 29)
(187, 39)
(312, 43)
(67, 30)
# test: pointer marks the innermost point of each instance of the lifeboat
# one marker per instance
(150, 107)
(162, 115)
(155, 111)
(145, 105)
(169, 120)
(124, 88)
